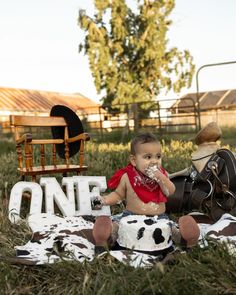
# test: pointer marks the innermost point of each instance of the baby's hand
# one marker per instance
(150, 172)
(97, 203)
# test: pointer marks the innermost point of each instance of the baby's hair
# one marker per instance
(142, 138)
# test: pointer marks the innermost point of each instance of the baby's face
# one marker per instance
(147, 154)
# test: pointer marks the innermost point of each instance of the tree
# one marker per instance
(128, 53)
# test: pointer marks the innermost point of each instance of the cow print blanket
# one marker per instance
(57, 238)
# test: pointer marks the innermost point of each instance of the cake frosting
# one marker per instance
(144, 233)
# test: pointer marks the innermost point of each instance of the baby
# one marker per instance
(144, 186)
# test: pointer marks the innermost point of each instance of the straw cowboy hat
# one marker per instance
(75, 128)
(206, 140)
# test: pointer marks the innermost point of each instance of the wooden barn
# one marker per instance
(35, 102)
(218, 106)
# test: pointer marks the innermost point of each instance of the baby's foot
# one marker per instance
(101, 232)
(189, 231)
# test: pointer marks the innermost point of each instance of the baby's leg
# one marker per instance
(189, 230)
(105, 233)
(187, 233)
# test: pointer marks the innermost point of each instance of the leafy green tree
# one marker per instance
(128, 53)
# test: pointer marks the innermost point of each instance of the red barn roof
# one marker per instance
(12, 99)
(219, 99)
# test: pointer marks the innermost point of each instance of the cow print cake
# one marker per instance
(144, 233)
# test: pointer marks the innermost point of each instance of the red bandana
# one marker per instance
(147, 189)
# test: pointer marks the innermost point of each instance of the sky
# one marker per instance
(39, 42)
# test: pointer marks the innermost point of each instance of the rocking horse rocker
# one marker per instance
(209, 185)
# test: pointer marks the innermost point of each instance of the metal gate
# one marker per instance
(170, 116)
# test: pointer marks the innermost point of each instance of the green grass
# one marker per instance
(228, 136)
(202, 271)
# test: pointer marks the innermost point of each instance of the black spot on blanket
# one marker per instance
(22, 252)
(39, 237)
(227, 231)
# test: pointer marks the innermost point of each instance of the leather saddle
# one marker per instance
(213, 190)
